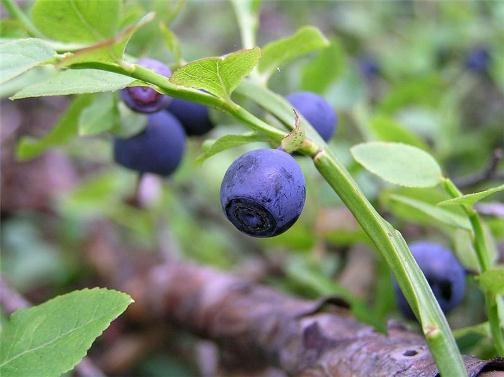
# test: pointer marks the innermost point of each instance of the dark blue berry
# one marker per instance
(144, 99)
(444, 273)
(158, 149)
(368, 67)
(194, 117)
(478, 59)
(263, 192)
(317, 111)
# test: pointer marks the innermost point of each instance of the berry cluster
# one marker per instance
(159, 148)
(263, 191)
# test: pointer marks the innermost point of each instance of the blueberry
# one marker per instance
(478, 59)
(444, 273)
(368, 67)
(194, 117)
(144, 99)
(263, 192)
(157, 149)
(317, 111)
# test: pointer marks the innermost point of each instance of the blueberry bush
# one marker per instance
(377, 126)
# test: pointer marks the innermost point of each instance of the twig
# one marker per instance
(489, 172)
(263, 328)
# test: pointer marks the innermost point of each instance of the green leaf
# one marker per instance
(21, 55)
(130, 122)
(217, 75)
(387, 129)
(326, 67)
(50, 339)
(76, 81)
(102, 115)
(422, 90)
(171, 42)
(77, 20)
(62, 132)
(281, 51)
(492, 280)
(107, 51)
(398, 163)
(212, 147)
(439, 214)
(471, 199)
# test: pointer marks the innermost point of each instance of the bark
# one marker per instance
(262, 327)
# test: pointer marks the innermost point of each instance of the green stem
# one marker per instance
(395, 252)
(247, 22)
(481, 248)
(194, 95)
(15, 11)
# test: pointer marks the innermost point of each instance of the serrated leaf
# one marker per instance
(322, 70)
(21, 55)
(492, 280)
(76, 81)
(63, 131)
(217, 75)
(102, 115)
(50, 339)
(398, 163)
(77, 20)
(473, 198)
(439, 214)
(281, 51)
(110, 50)
(212, 147)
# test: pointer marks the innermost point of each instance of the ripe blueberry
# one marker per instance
(368, 67)
(144, 99)
(317, 111)
(478, 59)
(263, 192)
(157, 149)
(444, 273)
(194, 117)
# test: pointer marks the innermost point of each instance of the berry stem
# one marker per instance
(14, 10)
(194, 95)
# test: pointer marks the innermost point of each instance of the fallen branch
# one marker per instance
(262, 327)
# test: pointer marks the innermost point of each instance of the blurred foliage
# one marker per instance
(422, 94)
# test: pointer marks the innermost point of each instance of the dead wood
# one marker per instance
(262, 327)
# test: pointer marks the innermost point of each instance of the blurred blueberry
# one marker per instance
(444, 273)
(478, 59)
(368, 67)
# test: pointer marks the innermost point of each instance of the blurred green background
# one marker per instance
(394, 71)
